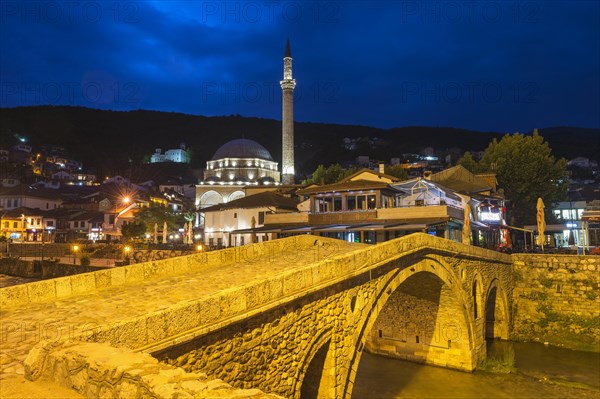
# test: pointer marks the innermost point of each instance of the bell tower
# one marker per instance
(287, 123)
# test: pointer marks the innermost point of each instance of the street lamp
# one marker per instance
(127, 249)
(199, 248)
(75, 248)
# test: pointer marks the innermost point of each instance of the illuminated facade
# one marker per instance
(235, 165)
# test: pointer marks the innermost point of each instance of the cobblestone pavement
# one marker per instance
(23, 327)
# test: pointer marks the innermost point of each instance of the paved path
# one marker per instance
(23, 327)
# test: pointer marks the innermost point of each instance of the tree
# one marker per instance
(133, 230)
(397, 171)
(526, 169)
(331, 174)
(156, 214)
(469, 163)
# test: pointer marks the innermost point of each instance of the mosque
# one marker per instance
(242, 163)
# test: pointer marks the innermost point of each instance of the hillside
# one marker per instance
(112, 140)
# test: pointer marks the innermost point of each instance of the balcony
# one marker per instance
(348, 217)
(286, 218)
(405, 214)
(420, 212)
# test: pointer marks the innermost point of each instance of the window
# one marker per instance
(38, 221)
(261, 218)
(50, 223)
(361, 203)
(371, 201)
(235, 215)
(15, 225)
(351, 201)
(337, 203)
(47, 205)
(6, 224)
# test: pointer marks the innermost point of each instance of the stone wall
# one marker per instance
(557, 300)
(42, 269)
(101, 371)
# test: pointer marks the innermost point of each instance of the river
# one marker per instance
(7, 281)
(542, 372)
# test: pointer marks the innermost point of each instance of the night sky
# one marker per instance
(490, 65)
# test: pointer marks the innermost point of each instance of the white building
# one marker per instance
(173, 155)
(235, 223)
(235, 165)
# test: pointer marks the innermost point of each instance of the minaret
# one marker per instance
(287, 123)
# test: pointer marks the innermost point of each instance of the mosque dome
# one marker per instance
(242, 148)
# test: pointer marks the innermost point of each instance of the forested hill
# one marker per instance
(106, 139)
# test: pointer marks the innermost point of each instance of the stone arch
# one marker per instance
(392, 284)
(210, 198)
(235, 195)
(310, 379)
(496, 312)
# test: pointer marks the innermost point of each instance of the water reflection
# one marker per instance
(543, 372)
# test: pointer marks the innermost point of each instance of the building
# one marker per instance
(243, 163)
(287, 121)
(29, 197)
(235, 223)
(235, 165)
(11, 225)
(173, 155)
(372, 207)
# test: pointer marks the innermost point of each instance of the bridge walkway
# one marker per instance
(24, 326)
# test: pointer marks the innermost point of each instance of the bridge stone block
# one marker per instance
(258, 294)
(232, 302)
(63, 287)
(210, 310)
(156, 327)
(12, 296)
(82, 283)
(103, 278)
(45, 290)
(118, 276)
(134, 273)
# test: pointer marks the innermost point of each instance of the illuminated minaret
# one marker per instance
(287, 123)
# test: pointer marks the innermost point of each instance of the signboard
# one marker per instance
(490, 217)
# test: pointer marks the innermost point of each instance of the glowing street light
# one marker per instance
(127, 249)
(199, 248)
(75, 249)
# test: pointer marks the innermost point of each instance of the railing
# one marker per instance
(342, 217)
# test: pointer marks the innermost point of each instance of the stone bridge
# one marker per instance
(290, 317)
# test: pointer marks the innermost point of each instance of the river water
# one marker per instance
(7, 281)
(542, 372)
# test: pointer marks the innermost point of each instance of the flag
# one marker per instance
(541, 222)
(466, 233)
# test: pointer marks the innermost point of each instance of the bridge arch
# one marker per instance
(452, 302)
(497, 320)
(311, 378)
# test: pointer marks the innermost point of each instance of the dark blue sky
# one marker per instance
(489, 65)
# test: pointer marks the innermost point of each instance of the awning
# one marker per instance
(551, 228)
(406, 227)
